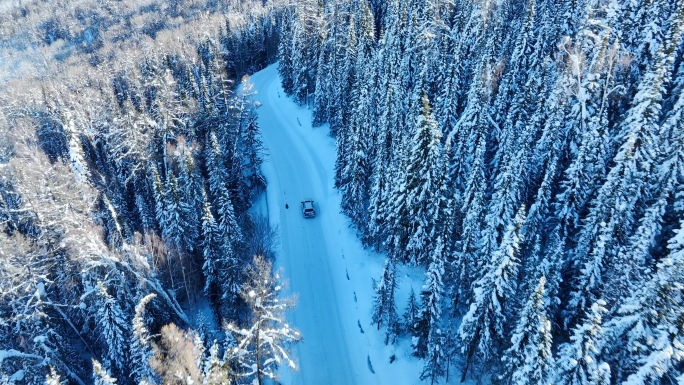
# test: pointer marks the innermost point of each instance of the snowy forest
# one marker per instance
(128, 163)
(529, 155)
(526, 157)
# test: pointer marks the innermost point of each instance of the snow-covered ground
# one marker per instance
(327, 267)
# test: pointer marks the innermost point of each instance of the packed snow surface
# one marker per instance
(327, 268)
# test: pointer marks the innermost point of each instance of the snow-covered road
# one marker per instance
(324, 262)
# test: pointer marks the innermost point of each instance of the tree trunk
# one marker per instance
(469, 354)
(258, 350)
(185, 279)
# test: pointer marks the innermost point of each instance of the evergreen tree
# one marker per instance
(114, 330)
(622, 195)
(215, 372)
(159, 194)
(305, 43)
(346, 70)
(140, 348)
(323, 88)
(431, 345)
(214, 161)
(101, 376)
(416, 209)
(144, 205)
(379, 189)
(482, 328)
(113, 232)
(579, 361)
(227, 222)
(285, 48)
(633, 260)
(469, 172)
(529, 359)
(649, 322)
(538, 232)
(227, 264)
(191, 189)
(172, 220)
(518, 94)
(384, 306)
(254, 157)
(210, 253)
(411, 313)
(354, 177)
(671, 168)
(53, 378)
(590, 79)
(77, 159)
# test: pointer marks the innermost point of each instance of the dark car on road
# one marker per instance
(308, 208)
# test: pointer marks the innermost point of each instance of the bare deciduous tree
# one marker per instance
(176, 357)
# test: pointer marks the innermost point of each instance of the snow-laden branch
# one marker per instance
(261, 347)
(12, 353)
